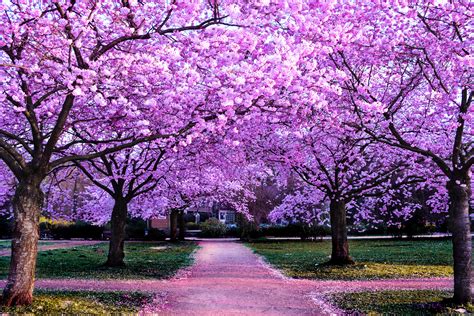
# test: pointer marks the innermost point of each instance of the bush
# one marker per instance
(70, 230)
(135, 228)
(233, 232)
(250, 231)
(155, 234)
(192, 226)
(213, 228)
(296, 230)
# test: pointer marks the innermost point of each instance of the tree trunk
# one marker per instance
(117, 239)
(460, 226)
(340, 246)
(173, 225)
(27, 204)
(181, 224)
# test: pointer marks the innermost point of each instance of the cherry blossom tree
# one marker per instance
(301, 206)
(158, 178)
(409, 78)
(334, 91)
(341, 165)
(72, 69)
(268, 194)
(209, 172)
(124, 176)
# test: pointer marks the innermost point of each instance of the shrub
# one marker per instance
(233, 232)
(296, 230)
(155, 234)
(192, 226)
(135, 228)
(70, 230)
(250, 231)
(213, 228)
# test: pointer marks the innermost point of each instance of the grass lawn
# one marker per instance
(6, 244)
(143, 261)
(82, 303)
(425, 302)
(376, 259)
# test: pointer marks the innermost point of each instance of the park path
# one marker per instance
(227, 278)
(57, 244)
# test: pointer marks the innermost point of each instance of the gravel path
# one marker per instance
(229, 279)
(58, 244)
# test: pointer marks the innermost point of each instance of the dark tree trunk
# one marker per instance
(340, 246)
(181, 225)
(173, 225)
(460, 226)
(27, 204)
(117, 239)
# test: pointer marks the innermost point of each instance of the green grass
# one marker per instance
(424, 302)
(6, 244)
(82, 303)
(376, 259)
(86, 262)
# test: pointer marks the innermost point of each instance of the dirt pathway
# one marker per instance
(58, 244)
(229, 279)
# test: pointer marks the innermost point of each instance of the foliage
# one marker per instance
(420, 302)
(301, 230)
(192, 226)
(377, 259)
(234, 232)
(135, 228)
(156, 234)
(213, 228)
(77, 229)
(151, 260)
(296, 230)
(365, 103)
(248, 230)
(82, 303)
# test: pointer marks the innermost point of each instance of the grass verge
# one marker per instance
(155, 260)
(424, 302)
(6, 244)
(375, 259)
(82, 303)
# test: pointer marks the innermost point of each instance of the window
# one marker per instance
(230, 217)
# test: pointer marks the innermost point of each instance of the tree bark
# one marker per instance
(27, 203)
(173, 225)
(181, 225)
(340, 246)
(460, 226)
(117, 239)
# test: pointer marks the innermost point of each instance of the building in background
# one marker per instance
(198, 214)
